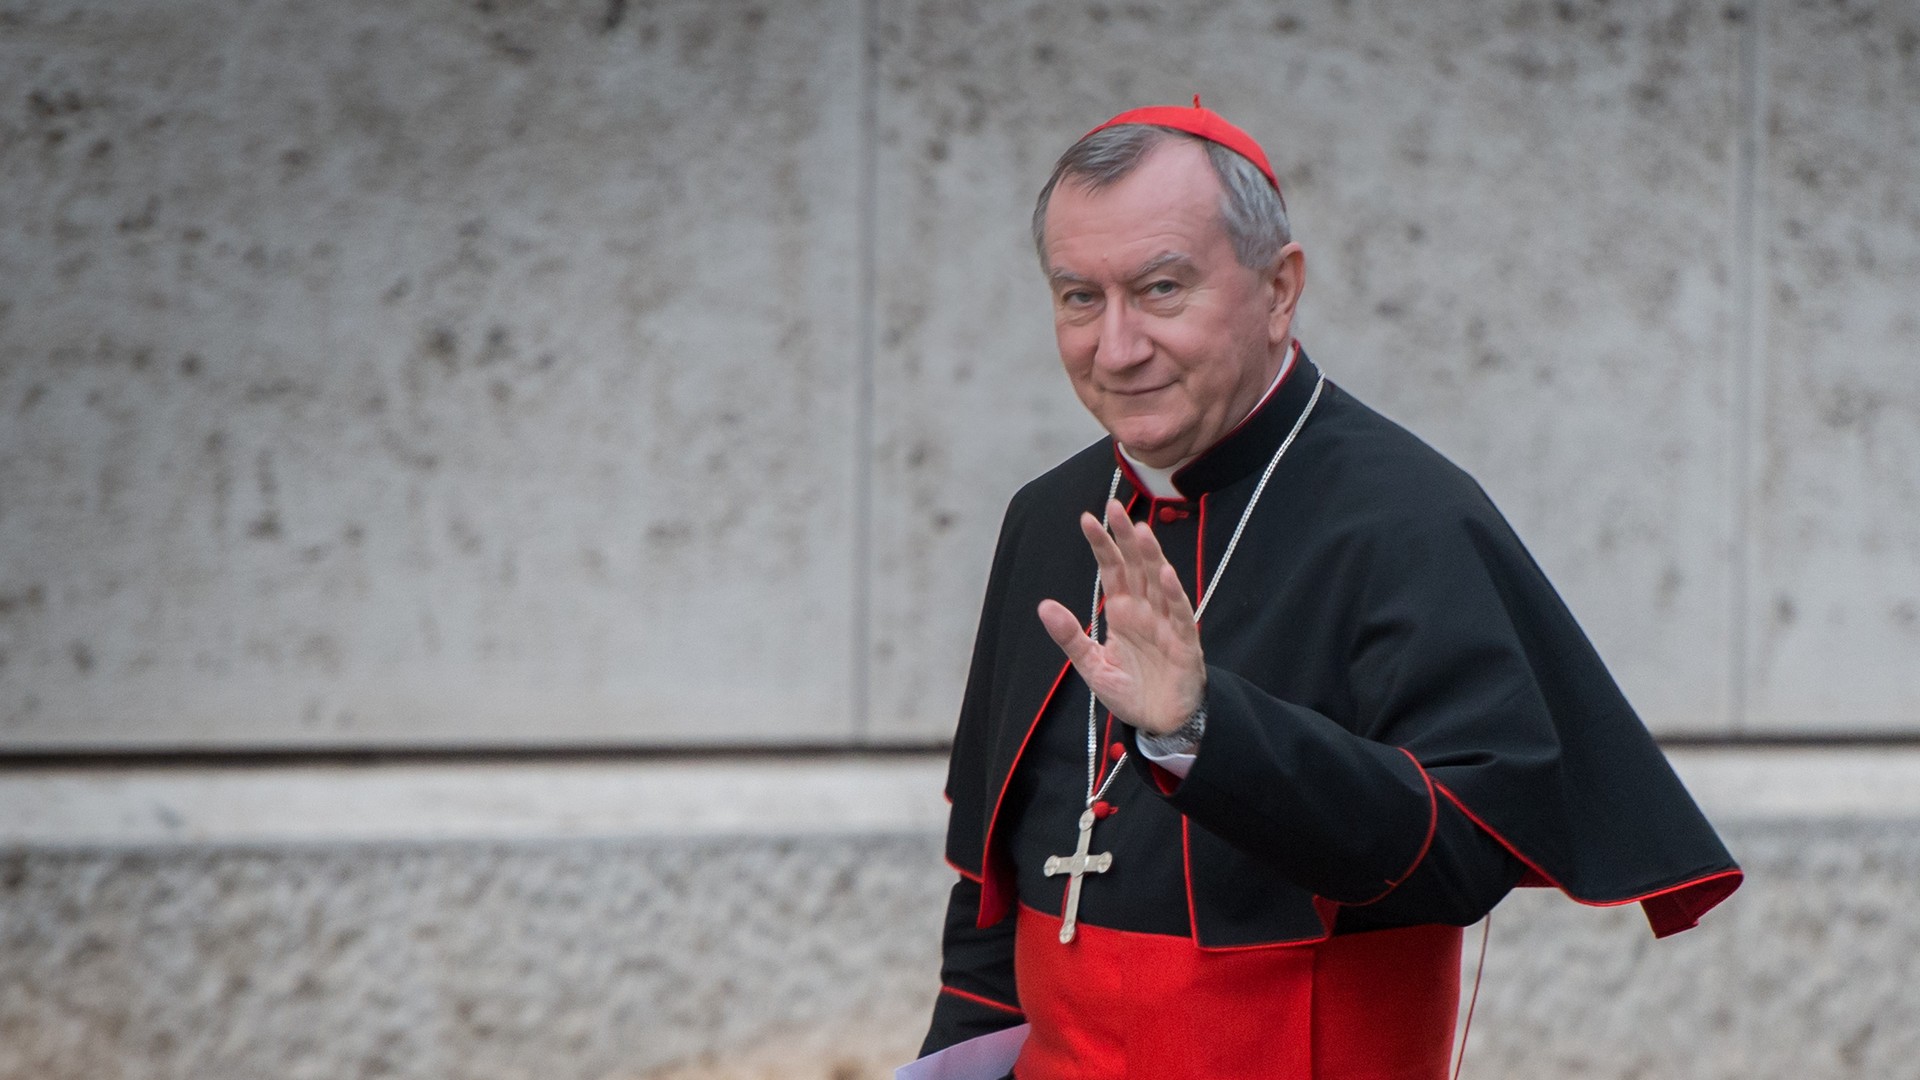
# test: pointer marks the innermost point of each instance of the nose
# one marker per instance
(1122, 341)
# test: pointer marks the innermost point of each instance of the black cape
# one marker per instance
(1403, 717)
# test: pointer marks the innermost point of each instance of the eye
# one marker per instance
(1077, 297)
(1162, 288)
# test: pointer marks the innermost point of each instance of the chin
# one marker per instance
(1144, 443)
(1145, 431)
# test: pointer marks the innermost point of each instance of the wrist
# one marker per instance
(1184, 739)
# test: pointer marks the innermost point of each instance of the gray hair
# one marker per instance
(1250, 206)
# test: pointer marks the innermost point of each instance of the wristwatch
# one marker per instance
(1184, 739)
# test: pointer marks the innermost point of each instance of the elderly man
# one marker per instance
(1317, 709)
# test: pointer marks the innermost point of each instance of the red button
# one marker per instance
(1103, 808)
(1117, 751)
(1171, 513)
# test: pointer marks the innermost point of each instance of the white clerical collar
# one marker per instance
(1159, 482)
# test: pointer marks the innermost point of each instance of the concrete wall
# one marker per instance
(428, 373)
(541, 374)
(544, 373)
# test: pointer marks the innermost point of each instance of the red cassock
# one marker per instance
(1404, 722)
(1118, 1004)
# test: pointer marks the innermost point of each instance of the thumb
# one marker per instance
(1065, 630)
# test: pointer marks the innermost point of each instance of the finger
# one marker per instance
(1144, 568)
(1146, 560)
(1126, 574)
(1105, 554)
(1066, 631)
(1154, 556)
(1177, 606)
(1126, 540)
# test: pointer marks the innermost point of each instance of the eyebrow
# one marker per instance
(1159, 262)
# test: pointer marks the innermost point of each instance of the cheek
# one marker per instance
(1211, 354)
(1186, 348)
(1076, 346)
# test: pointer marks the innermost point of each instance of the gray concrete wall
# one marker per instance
(546, 373)
(519, 374)
(427, 373)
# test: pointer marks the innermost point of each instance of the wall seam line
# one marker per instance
(860, 673)
(1747, 354)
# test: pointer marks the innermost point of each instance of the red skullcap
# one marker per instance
(1206, 124)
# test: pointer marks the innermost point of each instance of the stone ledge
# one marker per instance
(1810, 784)
(277, 805)
(116, 806)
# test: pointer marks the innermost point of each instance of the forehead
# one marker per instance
(1170, 202)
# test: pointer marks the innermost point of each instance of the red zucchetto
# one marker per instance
(1202, 122)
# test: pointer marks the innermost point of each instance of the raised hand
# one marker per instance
(1149, 670)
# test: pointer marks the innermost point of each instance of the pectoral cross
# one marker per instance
(1075, 865)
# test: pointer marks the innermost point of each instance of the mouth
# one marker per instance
(1141, 392)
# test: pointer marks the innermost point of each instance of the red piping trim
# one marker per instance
(978, 1000)
(1717, 875)
(963, 871)
(1672, 910)
(1126, 470)
(1186, 871)
(1505, 843)
(986, 845)
(1200, 553)
(1193, 910)
(1426, 845)
(1551, 880)
(1007, 781)
(1433, 820)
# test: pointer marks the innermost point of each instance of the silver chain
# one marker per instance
(1093, 617)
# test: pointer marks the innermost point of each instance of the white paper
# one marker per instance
(987, 1057)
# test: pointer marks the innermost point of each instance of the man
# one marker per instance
(1249, 852)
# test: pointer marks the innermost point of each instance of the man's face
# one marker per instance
(1167, 339)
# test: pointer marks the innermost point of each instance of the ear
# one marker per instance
(1288, 282)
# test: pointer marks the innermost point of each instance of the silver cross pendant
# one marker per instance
(1075, 865)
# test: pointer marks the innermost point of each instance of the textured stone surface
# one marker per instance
(1519, 227)
(583, 960)
(1801, 974)
(816, 958)
(426, 374)
(1835, 609)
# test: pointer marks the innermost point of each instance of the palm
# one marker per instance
(1150, 670)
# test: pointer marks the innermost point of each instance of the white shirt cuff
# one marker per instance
(1175, 762)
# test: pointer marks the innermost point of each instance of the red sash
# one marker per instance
(1115, 1004)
